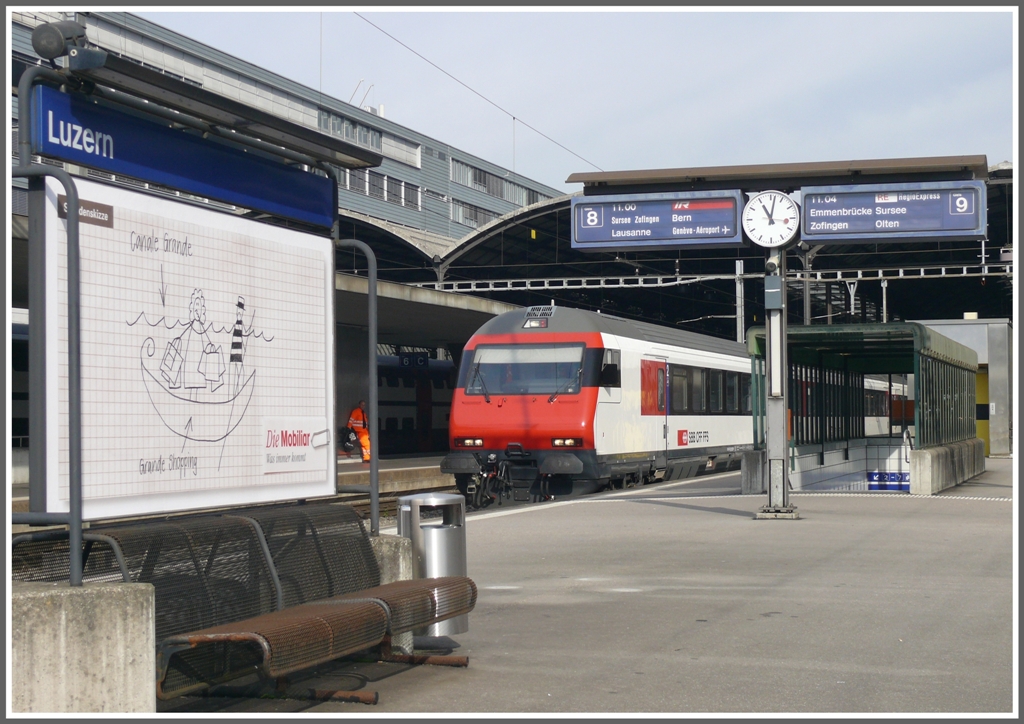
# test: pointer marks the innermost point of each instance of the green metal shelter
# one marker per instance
(827, 365)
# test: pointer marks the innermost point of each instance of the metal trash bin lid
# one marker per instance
(434, 499)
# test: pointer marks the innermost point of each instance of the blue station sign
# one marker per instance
(692, 219)
(936, 211)
(75, 129)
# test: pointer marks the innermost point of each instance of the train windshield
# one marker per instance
(524, 369)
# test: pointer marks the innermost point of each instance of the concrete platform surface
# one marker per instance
(672, 599)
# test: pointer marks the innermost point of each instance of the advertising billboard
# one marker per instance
(207, 347)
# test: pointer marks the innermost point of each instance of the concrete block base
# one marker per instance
(777, 515)
(752, 473)
(934, 469)
(85, 649)
(394, 558)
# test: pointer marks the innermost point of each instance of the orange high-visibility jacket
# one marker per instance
(357, 420)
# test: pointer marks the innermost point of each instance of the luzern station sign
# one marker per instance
(926, 211)
(73, 128)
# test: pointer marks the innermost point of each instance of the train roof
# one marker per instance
(567, 319)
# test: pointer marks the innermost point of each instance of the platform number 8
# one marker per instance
(591, 216)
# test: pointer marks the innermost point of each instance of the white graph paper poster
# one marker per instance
(207, 350)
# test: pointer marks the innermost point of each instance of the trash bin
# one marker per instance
(438, 545)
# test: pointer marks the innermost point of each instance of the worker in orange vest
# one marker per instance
(358, 421)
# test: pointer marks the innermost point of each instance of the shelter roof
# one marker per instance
(869, 348)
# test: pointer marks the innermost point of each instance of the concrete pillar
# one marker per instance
(1000, 388)
(84, 649)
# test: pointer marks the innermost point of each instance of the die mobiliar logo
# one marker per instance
(288, 438)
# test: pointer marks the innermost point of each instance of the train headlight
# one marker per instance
(567, 442)
(469, 442)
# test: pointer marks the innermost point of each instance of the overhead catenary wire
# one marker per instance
(478, 93)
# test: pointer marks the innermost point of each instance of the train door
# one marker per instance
(654, 400)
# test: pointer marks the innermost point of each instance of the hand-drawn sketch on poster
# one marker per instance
(199, 329)
(200, 393)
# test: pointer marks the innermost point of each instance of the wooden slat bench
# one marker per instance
(270, 590)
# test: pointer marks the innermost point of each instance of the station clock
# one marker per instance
(771, 219)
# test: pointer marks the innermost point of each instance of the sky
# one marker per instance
(620, 90)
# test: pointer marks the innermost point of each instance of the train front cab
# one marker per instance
(522, 424)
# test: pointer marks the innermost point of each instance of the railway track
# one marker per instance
(388, 502)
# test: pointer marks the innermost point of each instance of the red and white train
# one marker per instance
(559, 401)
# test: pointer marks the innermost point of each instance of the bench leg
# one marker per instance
(280, 691)
(356, 697)
(386, 654)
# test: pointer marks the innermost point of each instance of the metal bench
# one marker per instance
(270, 590)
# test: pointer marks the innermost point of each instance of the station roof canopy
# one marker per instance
(754, 177)
(867, 348)
(526, 256)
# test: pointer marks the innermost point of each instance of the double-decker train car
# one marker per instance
(554, 401)
(414, 394)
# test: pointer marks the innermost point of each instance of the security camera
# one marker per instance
(53, 40)
(770, 266)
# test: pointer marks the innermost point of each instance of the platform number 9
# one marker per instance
(960, 203)
(591, 216)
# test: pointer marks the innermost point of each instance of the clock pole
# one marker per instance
(776, 407)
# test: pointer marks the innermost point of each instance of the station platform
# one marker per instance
(671, 599)
(396, 475)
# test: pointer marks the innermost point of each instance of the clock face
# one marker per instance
(771, 219)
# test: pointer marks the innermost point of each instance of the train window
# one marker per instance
(380, 381)
(697, 389)
(715, 391)
(745, 403)
(526, 369)
(679, 390)
(732, 392)
(19, 355)
(438, 383)
(408, 381)
(661, 389)
(466, 367)
(610, 369)
(392, 380)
